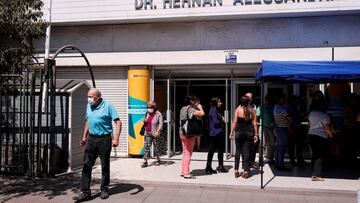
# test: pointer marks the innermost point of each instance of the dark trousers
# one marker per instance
(243, 140)
(319, 148)
(282, 140)
(296, 144)
(96, 146)
(269, 141)
(216, 143)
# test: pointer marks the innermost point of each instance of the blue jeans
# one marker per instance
(282, 139)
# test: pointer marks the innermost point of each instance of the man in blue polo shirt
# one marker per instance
(97, 140)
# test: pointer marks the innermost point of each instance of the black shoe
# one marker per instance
(82, 197)
(282, 168)
(221, 169)
(104, 195)
(209, 170)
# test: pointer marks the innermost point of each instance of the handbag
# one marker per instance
(142, 130)
(193, 126)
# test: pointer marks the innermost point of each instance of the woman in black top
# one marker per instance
(246, 133)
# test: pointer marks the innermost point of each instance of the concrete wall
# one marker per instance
(212, 35)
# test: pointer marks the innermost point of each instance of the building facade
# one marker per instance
(203, 47)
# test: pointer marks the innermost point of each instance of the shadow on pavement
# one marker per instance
(202, 172)
(16, 187)
(121, 188)
(337, 171)
(13, 187)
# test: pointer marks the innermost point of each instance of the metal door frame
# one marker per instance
(235, 82)
(171, 123)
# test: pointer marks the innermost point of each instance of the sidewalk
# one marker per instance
(169, 171)
(62, 189)
(158, 184)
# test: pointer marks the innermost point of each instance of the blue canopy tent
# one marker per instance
(304, 72)
(308, 71)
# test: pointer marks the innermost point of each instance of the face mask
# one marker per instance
(149, 110)
(90, 101)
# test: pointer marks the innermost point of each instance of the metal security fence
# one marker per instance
(34, 115)
(29, 144)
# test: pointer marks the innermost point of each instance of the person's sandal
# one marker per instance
(317, 178)
(143, 165)
(237, 174)
(157, 163)
(245, 174)
(189, 177)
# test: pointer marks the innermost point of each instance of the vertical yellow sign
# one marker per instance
(139, 95)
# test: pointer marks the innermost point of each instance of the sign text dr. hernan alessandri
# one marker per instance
(174, 4)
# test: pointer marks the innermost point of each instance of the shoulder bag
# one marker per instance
(142, 130)
(193, 126)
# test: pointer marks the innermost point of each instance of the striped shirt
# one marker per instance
(280, 114)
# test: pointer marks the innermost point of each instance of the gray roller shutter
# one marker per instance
(113, 84)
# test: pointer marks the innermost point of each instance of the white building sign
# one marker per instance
(173, 4)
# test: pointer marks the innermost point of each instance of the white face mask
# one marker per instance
(90, 101)
(149, 110)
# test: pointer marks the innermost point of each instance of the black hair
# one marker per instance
(318, 102)
(188, 99)
(280, 96)
(294, 100)
(214, 101)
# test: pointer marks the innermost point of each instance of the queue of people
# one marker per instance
(279, 122)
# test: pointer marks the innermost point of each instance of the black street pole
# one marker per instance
(50, 65)
(262, 135)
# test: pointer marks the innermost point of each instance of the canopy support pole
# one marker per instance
(261, 159)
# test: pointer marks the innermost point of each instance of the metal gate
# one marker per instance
(26, 146)
(33, 141)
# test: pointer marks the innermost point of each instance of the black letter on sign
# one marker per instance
(248, 2)
(185, 1)
(176, 3)
(167, 2)
(238, 1)
(219, 1)
(150, 3)
(257, 2)
(207, 2)
(138, 5)
(268, 1)
(278, 1)
(198, 2)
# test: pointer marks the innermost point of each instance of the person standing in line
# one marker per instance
(97, 140)
(265, 116)
(217, 136)
(297, 137)
(153, 127)
(246, 133)
(320, 131)
(254, 145)
(191, 109)
(283, 121)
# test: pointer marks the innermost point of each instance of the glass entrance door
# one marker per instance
(164, 96)
(239, 87)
